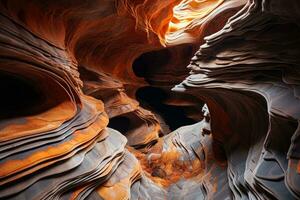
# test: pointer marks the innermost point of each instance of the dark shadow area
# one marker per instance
(166, 66)
(19, 96)
(120, 123)
(162, 69)
(151, 62)
(153, 99)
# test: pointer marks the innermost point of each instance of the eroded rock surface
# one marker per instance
(113, 99)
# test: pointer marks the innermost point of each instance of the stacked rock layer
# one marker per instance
(113, 99)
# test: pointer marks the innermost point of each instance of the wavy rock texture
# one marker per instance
(249, 71)
(88, 110)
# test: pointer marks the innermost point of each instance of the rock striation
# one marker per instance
(254, 60)
(113, 99)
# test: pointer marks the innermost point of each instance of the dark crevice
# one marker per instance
(151, 62)
(165, 66)
(155, 67)
(153, 99)
(20, 96)
(120, 123)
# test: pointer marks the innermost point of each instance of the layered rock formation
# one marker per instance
(113, 99)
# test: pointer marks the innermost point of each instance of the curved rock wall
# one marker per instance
(256, 52)
(88, 110)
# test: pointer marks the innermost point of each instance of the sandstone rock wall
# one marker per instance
(113, 99)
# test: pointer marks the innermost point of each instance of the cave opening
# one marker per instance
(150, 63)
(20, 97)
(120, 123)
(164, 67)
(153, 98)
(155, 67)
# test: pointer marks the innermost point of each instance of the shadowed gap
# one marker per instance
(153, 99)
(19, 96)
(120, 123)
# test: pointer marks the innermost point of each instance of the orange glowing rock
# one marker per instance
(187, 15)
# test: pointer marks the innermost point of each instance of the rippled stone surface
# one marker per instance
(113, 99)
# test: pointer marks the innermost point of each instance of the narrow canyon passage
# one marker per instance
(150, 99)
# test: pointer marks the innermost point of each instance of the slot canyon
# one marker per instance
(149, 99)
